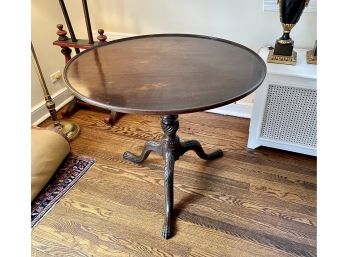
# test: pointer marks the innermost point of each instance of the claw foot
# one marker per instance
(129, 156)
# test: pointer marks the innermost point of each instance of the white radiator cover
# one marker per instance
(284, 114)
(290, 115)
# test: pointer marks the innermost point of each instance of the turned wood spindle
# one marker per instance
(61, 33)
(66, 51)
(102, 38)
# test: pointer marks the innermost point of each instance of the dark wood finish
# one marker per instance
(113, 117)
(61, 33)
(170, 148)
(72, 107)
(248, 203)
(164, 74)
(65, 43)
(66, 51)
(80, 43)
(102, 38)
(77, 104)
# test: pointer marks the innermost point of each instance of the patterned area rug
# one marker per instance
(69, 172)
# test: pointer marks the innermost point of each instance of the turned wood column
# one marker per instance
(170, 144)
(66, 51)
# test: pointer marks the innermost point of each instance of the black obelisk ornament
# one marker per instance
(290, 13)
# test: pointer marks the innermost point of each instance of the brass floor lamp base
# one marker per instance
(70, 129)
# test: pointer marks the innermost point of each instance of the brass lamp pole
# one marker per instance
(70, 129)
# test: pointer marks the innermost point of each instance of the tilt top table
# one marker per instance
(165, 74)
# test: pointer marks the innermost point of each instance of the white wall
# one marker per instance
(36, 91)
(44, 17)
(240, 21)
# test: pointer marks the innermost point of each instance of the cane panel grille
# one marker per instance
(290, 115)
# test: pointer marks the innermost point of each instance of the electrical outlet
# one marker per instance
(56, 76)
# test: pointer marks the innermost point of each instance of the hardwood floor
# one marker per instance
(248, 203)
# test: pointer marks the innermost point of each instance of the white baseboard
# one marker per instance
(242, 110)
(39, 112)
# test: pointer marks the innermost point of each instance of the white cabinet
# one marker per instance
(284, 113)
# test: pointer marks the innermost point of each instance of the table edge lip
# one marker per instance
(164, 112)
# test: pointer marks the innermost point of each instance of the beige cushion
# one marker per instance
(48, 150)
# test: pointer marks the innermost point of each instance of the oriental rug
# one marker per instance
(70, 171)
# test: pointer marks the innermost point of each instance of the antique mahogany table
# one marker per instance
(167, 75)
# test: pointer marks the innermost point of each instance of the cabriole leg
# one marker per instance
(150, 146)
(195, 146)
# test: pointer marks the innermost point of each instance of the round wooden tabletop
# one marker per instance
(164, 74)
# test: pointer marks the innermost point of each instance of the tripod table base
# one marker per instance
(170, 148)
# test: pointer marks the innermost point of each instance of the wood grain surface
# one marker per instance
(248, 203)
(164, 74)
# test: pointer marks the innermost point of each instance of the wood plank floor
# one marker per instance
(248, 203)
